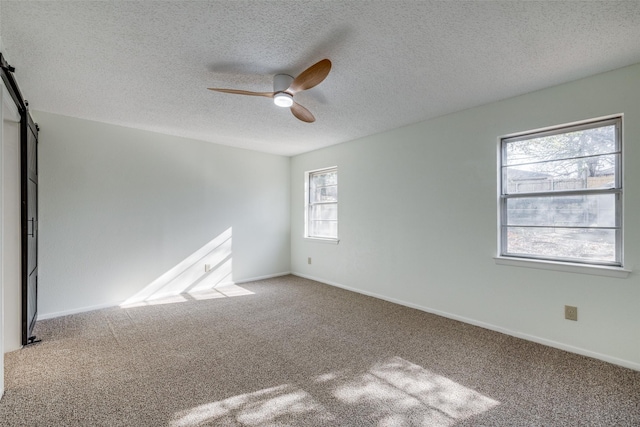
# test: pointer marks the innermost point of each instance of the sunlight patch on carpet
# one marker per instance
(391, 393)
(398, 387)
(260, 408)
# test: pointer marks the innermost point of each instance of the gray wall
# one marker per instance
(120, 207)
(418, 222)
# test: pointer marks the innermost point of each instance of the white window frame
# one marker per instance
(614, 269)
(308, 205)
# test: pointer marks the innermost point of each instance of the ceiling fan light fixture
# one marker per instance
(283, 99)
(285, 87)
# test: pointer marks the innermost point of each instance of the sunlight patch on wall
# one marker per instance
(391, 393)
(188, 279)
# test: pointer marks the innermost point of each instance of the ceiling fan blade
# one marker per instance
(302, 113)
(310, 77)
(243, 92)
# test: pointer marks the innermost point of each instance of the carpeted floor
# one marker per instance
(293, 352)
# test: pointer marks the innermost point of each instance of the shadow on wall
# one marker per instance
(394, 392)
(205, 274)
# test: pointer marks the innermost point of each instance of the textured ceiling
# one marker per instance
(147, 64)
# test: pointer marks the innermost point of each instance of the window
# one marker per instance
(322, 204)
(561, 194)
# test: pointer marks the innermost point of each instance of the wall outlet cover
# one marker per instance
(570, 312)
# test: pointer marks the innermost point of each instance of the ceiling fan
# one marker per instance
(285, 87)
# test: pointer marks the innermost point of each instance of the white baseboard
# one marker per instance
(581, 351)
(46, 316)
(269, 276)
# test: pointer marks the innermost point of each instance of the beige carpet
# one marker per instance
(293, 352)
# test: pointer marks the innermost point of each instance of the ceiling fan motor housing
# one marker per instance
(281, 82)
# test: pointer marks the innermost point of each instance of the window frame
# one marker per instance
(617, 190)
(308, 205)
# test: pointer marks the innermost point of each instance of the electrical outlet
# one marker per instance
(309, 260)
(570, 312)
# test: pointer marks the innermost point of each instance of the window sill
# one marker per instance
(320, 240)
(596, 270)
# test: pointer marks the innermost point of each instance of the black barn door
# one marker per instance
(29, 160)
(29, 205)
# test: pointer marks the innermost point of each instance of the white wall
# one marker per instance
(418, 222)
(11, 239)
(10, 256)
(1, 235)
(2, 96)
(120, 207)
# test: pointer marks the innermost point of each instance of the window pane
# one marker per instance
(322, 204)
(325, 178)
(580, 226)
(563, 211)
(324, 194)
(573, 174)
(327, 229)
(579, 244)
(323, 187)
(323, 212)
(587, 142)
